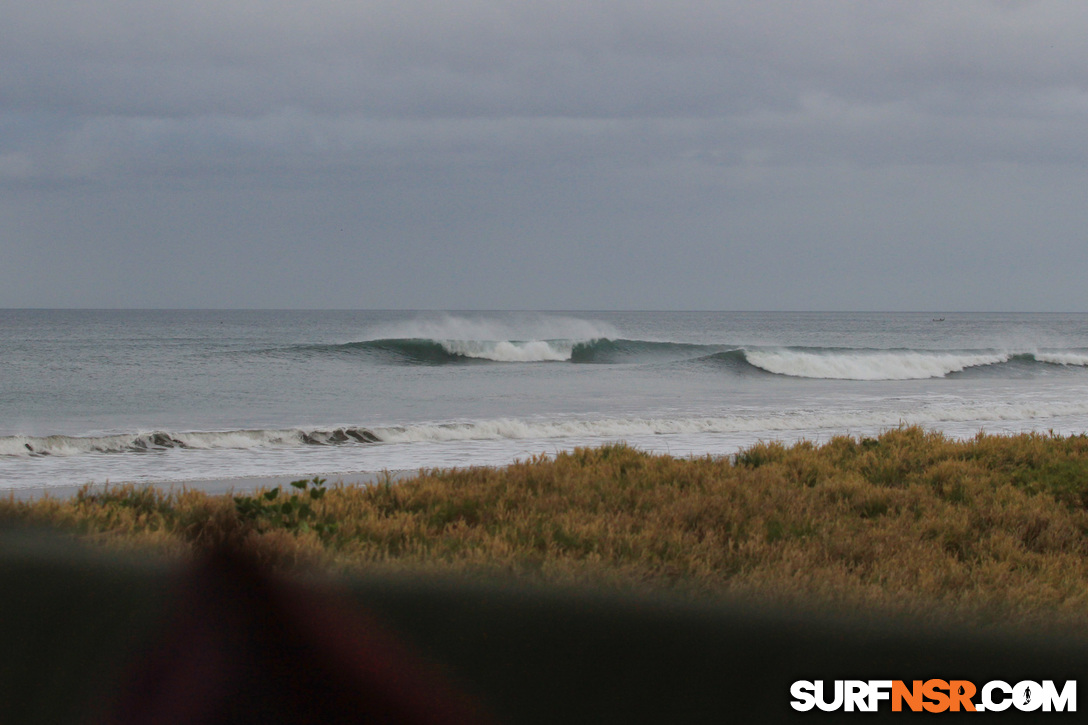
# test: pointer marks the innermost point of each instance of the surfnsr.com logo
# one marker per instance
(933, 696)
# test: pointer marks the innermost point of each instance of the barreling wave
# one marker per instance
(439, 352)
(425, 351)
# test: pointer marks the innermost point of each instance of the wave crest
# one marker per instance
(1063, 358)
(869, 365)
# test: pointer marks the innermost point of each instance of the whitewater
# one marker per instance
(174, 396)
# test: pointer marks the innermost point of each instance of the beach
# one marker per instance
(987, 530)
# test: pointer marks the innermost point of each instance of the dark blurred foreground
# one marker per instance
(87, 636)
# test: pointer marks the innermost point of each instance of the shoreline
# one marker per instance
(210, 486)
(989, 529)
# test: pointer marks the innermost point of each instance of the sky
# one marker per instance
(584, 154)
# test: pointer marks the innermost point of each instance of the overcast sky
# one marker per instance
(485, 154)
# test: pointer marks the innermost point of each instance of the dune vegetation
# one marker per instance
(993, 529)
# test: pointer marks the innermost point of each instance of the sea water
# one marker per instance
(142, 396)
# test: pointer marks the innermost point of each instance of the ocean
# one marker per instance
(95, 396)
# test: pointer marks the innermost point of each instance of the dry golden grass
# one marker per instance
(988, 530)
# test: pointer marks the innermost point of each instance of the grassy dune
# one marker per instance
(994, 529)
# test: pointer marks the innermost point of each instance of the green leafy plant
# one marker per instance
(296, 511)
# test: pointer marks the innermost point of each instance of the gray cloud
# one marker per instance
(494, 58)
(735, 154)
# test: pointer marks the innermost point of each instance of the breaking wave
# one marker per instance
(425, 351)
(60, 445)
(869, 365)
(437, 352)
(851, 364)
(520, 429)
(823, 363)
(607, 350)
(1063, 358)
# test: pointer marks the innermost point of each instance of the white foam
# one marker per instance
(511, 351)
(499, 429)
(521, 327)
(835, 420)
(202, 440)
(1062, 358)
(239, 439)
(856, 365)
